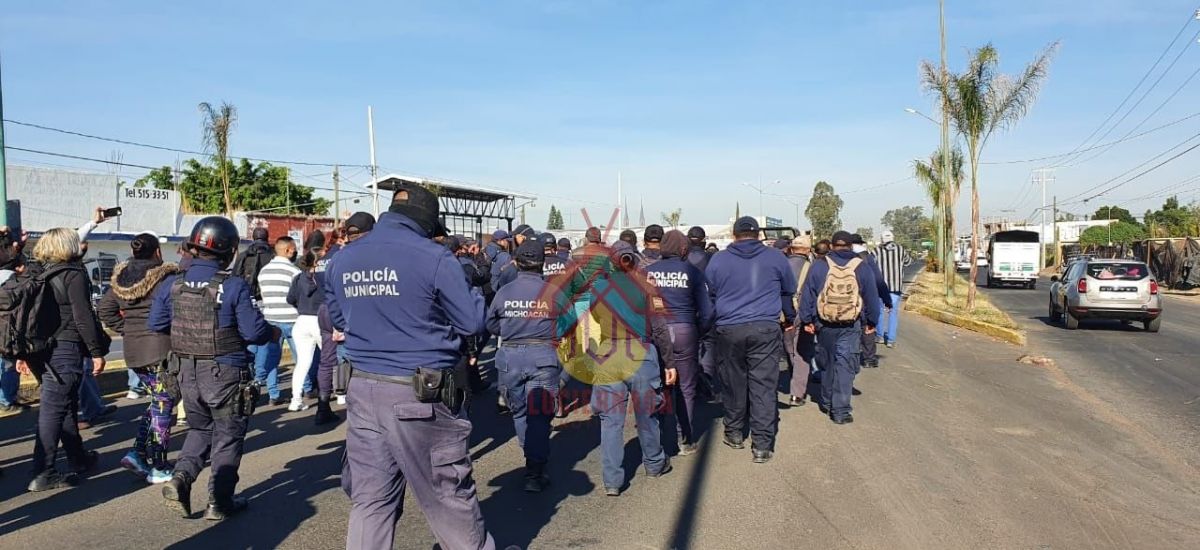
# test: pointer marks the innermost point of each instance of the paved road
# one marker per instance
(955, 445)
(1154, 378)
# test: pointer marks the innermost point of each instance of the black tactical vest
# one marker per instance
(194, 323)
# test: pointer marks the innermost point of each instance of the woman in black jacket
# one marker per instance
(124, 309)
(77, 335)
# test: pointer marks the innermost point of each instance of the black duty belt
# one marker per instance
(405, 380)
(838, 325)
(527, 342)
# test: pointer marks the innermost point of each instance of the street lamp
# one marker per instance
(912, 111)
(761, 189)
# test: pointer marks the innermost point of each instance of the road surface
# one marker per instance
(955, 445)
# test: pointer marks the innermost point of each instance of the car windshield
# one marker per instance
(1117, 271)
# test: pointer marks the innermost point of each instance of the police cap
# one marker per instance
(653, 233)
(530, 253)
(696, 233)
(548, 240)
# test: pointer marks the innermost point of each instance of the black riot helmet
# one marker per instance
(215, 235)
(548, 241)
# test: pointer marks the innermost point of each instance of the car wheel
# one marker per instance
(1071, 321)
(1053, 312)
(1153, 324)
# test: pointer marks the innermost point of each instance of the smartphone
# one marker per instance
(112, 212)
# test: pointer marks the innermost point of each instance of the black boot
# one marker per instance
(51, 479)
(536, 478)
(220, 509)
(177, 494)
(325, 414)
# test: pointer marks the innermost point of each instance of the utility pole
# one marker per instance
(1057, 252)
(374, 168)
(337, 199)
(948, 232)
(3, 177)
(1041, 178)
(287, 190)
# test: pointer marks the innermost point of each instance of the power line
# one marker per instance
(880, 186)
(1142, 173)
(1149, 71)
(1123, 174)
(1094, 147)
(164, 148)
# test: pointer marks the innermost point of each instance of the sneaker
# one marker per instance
(686, 449)
(11, 410)
(90, 460)
(133, 395)
(224, 510)
(156, 476)
(341, 400)
(49, 480)
(612, 491)
(666, 469)
(134, 463)
(891, 344)
(107, 411)
(295, 406)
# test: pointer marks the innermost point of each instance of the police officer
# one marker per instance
(628, 236)
(652, 236)
(564, 249)
(406, 308)
(627, 368)
(869, 357)
(211, 318)
(683, 297)
(523, 315)
(502, 269)
(554, 264)
(838, 329)
(750, 285)
(697, 255)
(357, 226)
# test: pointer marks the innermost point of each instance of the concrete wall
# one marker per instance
(58, 198)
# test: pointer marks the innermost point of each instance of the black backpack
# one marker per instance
(24, 330)
(250, 263)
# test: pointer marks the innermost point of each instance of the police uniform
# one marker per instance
(750, 285)
(699, 257)
(652, 236)
(502, 270)
(554, 265)
(211, 318)
(405, 305)
(523, 316)
(682, 296)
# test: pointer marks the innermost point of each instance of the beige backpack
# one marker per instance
(840, 301)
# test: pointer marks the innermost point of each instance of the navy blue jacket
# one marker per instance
(816, 282)
(564, 255)
(554, 266)
(524, 310)
(750, 282)
(652, 254)
(503, 270)
(683, 290)
(323, 264)
(402, 300)
(698, 257)
(475, 274)
(237, 308)
(305, 295)
(881, 287)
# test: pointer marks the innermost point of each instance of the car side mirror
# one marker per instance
(1054, 278)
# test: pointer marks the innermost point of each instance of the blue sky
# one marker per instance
(687, 99)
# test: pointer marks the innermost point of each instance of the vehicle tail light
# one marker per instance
(1082, 285)
(1153, 287)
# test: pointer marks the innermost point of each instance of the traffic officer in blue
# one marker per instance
(840, 303)
(683, 299)
(523, 314)
(564, 249)
(211, 317)
(406, 307)
(554, 265)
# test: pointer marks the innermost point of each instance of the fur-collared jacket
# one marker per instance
(125, 307)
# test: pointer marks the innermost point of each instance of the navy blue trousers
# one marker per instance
(838, 350)
(216, 432)
(530, 374)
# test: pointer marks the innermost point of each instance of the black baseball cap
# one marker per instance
(653, 233)
(531, 251)
(855, 238)
(783, 244)
(548, 240)
(745, 224)
(359, 222)
(564, 243)
(420, 205)
(842, 238)
(696, 233)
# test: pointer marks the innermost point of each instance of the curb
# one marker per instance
(1008, 335)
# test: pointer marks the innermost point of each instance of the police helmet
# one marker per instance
(216, 235)
(548, 241)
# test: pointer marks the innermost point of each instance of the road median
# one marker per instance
(925, 297)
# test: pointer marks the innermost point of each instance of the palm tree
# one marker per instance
(980, 101)
(943, 198)
(218, 123)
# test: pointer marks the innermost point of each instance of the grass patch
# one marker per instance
(927, 291)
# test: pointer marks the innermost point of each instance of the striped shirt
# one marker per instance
(892, 259)
(275, 280)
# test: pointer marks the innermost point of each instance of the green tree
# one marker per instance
(867, 233)
(218, 124)
(1119, 232)
(254, 187)
(980, 101)
(672, 218)
(1114, 213)
(943, 196)
(555, 222)
(824, 211)
(908, 224)
(1172, 220)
